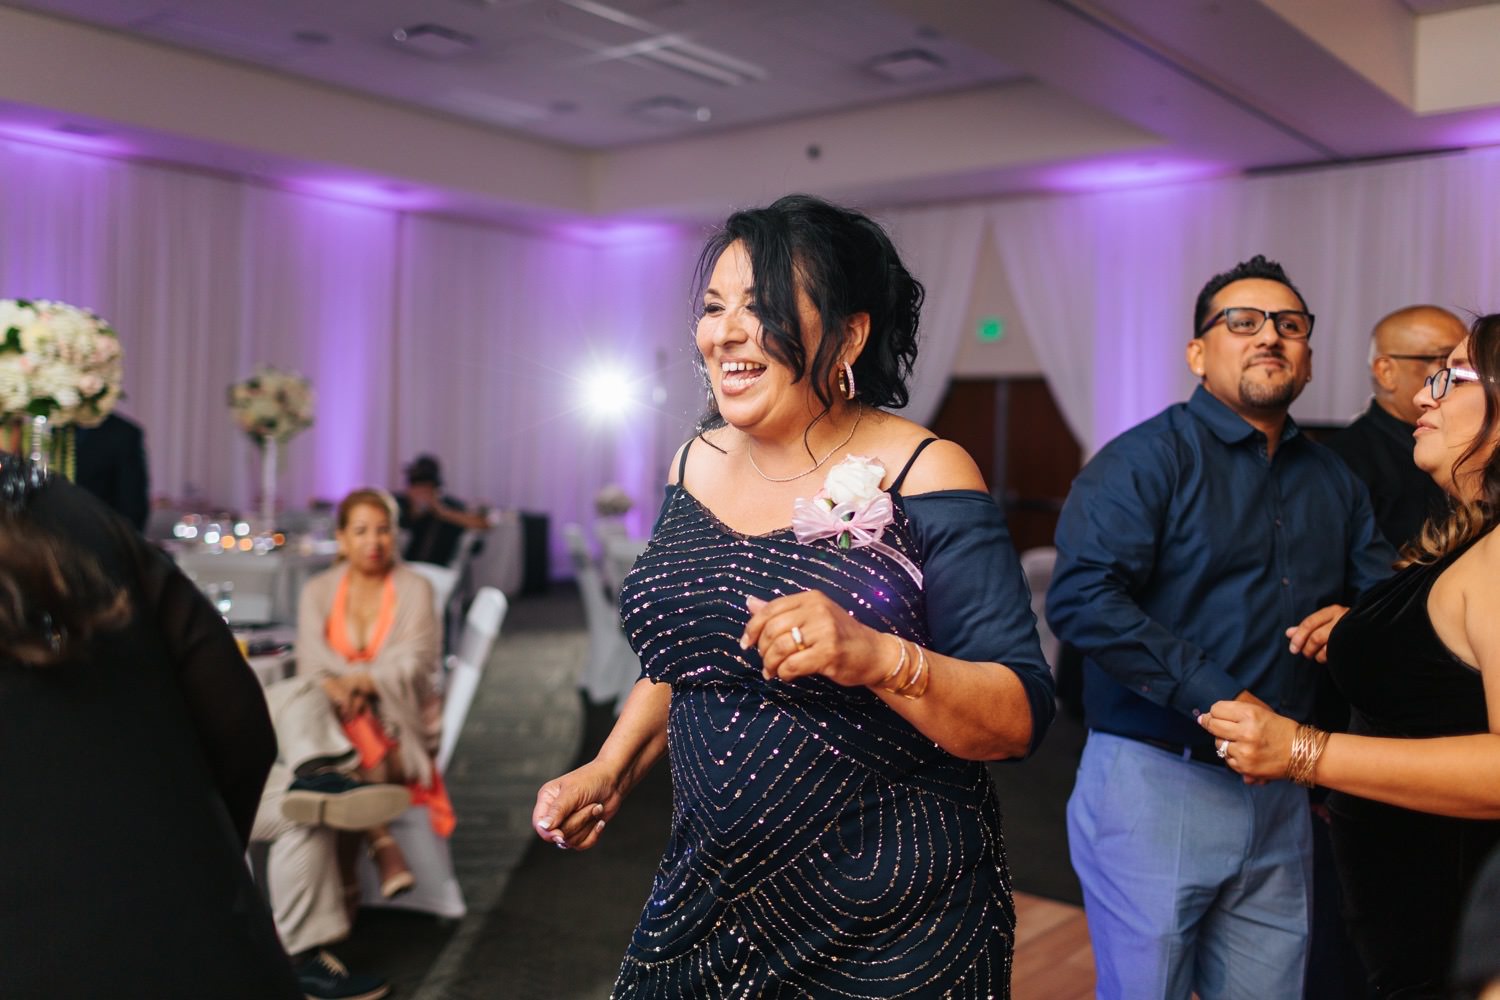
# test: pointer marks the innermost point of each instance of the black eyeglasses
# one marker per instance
(1440, 381)
(1245, 321)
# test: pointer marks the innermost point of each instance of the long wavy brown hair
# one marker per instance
(1467, 520)
(54, 597)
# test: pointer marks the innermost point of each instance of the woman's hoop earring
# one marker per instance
(846, 379)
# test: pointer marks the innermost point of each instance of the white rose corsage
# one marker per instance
(851, 509)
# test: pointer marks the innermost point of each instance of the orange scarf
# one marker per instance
(365, 731)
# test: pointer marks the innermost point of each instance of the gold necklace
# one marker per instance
(816, 465)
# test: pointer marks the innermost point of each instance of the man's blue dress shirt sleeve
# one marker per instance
(1107, 540)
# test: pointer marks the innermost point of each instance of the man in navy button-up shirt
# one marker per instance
(1187, 547)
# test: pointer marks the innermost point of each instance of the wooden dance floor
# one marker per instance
(1053, 957)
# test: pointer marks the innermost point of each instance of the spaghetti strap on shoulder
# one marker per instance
(901, 476)
(682, 463)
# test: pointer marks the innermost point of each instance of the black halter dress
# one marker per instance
(1405, 874)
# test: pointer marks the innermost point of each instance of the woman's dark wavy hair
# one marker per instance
(54, 597)
(1442, 535)
(847, 265)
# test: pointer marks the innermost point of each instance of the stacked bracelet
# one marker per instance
(1307, 747)
(921, 676)
(885, 681)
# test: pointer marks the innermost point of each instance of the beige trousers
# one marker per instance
(302, 872)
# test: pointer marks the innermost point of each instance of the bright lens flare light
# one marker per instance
(607, 393)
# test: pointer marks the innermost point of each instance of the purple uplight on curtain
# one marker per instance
(1127, 172)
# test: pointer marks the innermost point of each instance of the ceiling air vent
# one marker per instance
(434, 40)
(906, 65)
(671, 111)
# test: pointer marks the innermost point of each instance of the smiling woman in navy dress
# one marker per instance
(828, 656)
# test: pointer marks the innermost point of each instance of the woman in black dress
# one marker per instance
(828, 656)
(134, 741)
(1416, 803)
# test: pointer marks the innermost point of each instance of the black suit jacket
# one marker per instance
(1378, 448)
(111, 464)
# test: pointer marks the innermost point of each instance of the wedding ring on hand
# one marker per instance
(797, 638)
(1222, 748)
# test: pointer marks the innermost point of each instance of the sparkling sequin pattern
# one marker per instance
(820, 845)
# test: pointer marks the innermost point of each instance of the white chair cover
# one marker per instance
(620, 553)
(1036, 566)
(437, 890)
(443, 581)
(612, 667)
(467, 665)
(501, 565)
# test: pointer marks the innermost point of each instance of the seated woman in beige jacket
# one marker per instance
(368, 631)
(362, 714)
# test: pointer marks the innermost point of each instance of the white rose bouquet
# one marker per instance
(57, 361)
(851, 509)
(272, 405)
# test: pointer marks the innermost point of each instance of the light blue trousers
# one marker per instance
(1192, 880)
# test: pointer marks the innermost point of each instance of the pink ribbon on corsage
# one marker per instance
(851, 525)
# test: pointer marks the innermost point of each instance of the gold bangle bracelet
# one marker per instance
(922, 675)
(885, 681)
(1307, 747)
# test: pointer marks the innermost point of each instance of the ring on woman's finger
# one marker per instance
(797, 638)
(1222, 748)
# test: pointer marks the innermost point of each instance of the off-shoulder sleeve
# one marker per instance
(978, 604)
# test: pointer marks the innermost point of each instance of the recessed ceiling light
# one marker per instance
(907, 65)
(434, 40)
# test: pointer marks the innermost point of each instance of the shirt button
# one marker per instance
(1278, 522)
(1285, 582)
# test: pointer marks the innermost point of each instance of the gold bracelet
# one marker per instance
(922, 674)
(885, 681)
(1307, 748)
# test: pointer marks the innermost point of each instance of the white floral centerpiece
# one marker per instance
(271, 406)
(60, 367)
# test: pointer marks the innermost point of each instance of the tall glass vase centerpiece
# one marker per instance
(271, 407)
(60, 368)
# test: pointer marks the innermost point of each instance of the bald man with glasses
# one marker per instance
(1406, 347)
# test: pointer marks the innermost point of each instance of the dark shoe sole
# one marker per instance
(375, 994)
(358, 809)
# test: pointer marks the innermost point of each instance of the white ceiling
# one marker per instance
(541, 117)
(580, 72)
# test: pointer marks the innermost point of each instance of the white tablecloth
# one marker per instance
(278, 576)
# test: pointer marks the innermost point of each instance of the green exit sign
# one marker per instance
(991, 330)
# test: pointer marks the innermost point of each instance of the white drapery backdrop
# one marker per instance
(471, 342)
(478, 343)
(1105, 283)
(940, 245)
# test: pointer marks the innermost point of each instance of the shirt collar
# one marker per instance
(1228, 426)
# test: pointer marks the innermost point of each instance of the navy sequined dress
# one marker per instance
(821, 845)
